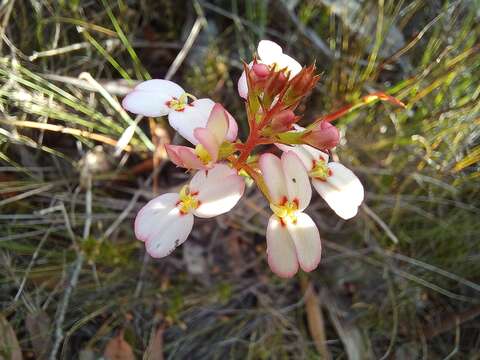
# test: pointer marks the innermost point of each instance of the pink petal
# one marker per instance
(189, 158)
(232, 128)
(307, 242)
(271, 168)
(296, 179)
(195, 115)
(269, 52)
(208, 141)
(214, 175)
(170, 235)
(242, 86)
(154, 214)
(184, 156)
(218, 122)
(281, 252)
(342, 191)
(149, 98)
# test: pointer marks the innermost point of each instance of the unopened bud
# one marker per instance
(283, 121)
(323, 136)
(261, 70)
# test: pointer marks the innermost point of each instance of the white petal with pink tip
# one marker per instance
(281, 253)
(307, 242)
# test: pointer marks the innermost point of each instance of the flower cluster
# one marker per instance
(272, 85)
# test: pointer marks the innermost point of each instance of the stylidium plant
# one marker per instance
(272, 85)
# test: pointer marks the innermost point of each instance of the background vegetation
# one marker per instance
(400, 281)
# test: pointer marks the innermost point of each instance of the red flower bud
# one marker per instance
(323, 136)
(283, 121)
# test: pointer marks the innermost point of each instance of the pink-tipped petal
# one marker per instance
(232, 132)
(242, 86)
(296, 179)
(170, 235)
(172, 152)
(342, 191)
(208, 141)
(307, 242)
(154, 214)
(269, 52)
(281, 252)
(274, 177)
(219, 197)
(195, 115)
(218, 122)
(214, 175)
(190, 160)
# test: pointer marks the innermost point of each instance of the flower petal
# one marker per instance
(342, 191)
(214, 175)
(149, 98)
(208, 141)
(218, 122)
(232, 128)
(307, 242)
(162, 86)
(242, 86)
(193, 116)
(146, 103)
(304, 155)
(274, 177)
(281, 252)
(269, 52)
(219, 197)
(172, 234)
(154, 214)
(189, 158)
(296, 179)
(184, 156)
(292, 65)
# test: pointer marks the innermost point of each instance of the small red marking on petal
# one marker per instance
(182, 213)
(330, 172)
(178, 202)
(168, 103)
(314, 163)
(199, 203)
(284, 200)
(321, 179)
(195, 193)
(282, 223)
(296, 202)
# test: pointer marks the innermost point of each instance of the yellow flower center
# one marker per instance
(180, 103)
(320, 170)
(203, 154)
(188, 200)
(286, 210)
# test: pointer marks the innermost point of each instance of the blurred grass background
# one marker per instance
(400, 281)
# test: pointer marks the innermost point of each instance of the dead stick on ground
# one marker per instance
(316, 324)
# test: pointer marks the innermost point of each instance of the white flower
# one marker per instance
(166, 221)
(270, 54)
(336, 184)
(160, 97)
(292, 236)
